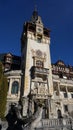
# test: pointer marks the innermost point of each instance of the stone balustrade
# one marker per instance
(66, 81)
(61, 80)
(56, 124)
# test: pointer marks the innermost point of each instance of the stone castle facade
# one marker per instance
(33, 79)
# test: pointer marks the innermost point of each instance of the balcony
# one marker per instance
(66, 81)
(41, 96)
(57, 123)
(39, 72)
(62, 80)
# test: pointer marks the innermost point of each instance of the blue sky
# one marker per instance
(57, 15)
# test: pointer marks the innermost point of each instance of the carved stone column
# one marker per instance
(25, 106)
(59, 88)
(49, 106)
(10, 86)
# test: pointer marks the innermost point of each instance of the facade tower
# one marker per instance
(37, 85)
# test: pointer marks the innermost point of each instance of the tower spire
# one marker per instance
(35, 13)
(35, 5)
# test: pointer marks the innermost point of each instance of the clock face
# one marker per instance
(39, 30)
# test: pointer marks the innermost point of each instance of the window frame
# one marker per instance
(65, 108)
(15, 87)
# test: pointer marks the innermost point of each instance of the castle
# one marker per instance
(33, 79)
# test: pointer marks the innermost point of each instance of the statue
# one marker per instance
(17, 122)
(14, 118)
(38, 116)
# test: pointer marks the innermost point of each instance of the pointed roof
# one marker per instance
(36, 19)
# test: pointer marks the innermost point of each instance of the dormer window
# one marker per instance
(8, 59)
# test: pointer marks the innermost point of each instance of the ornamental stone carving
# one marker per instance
(38, 54)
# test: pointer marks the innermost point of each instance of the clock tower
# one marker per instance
(37, 85)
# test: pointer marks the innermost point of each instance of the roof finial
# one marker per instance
(35, 5)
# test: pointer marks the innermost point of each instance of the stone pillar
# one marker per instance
(49, 106)
(32, 106)
(10, 87)
(25, 106)
(19, 87)
(59, 88)
(66, 90)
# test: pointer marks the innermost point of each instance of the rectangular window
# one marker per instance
(72, 95)
(39, 40)
(65, 95)
(65, 108)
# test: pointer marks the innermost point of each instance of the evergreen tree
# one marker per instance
(3, 92)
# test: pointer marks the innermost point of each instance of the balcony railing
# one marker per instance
(41, 96)
(66, 81)
(63, 80)
(56, 124)
(39, 71)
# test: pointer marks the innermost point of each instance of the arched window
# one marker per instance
(59, 113)
(15, 87)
